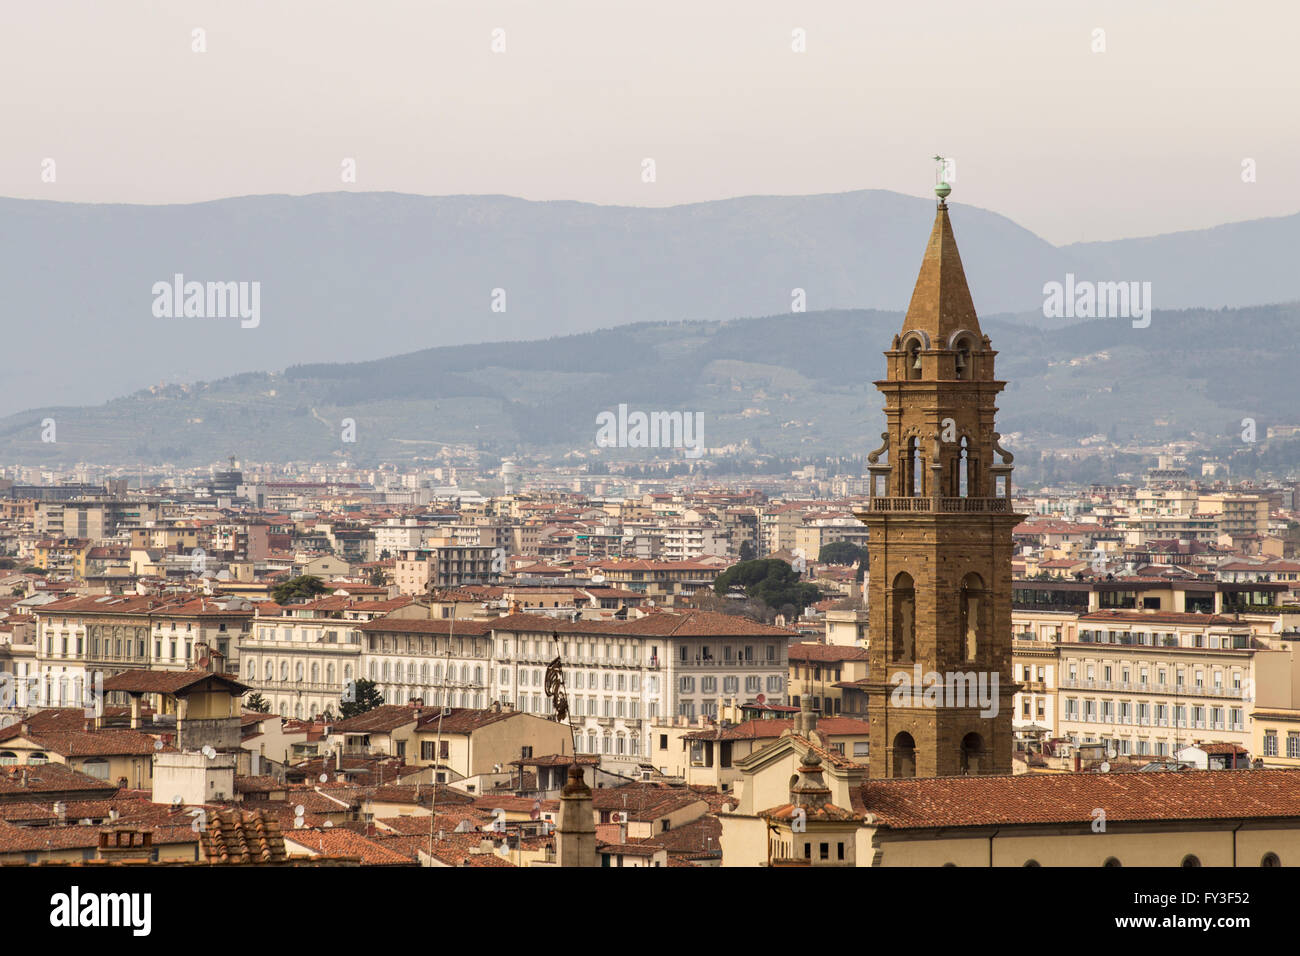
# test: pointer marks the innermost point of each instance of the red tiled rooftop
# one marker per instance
(1073, 797)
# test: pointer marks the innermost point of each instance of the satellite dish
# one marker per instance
(761, 698)
(1104, 768)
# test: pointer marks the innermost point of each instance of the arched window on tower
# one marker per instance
(963, 468)
(904, 623)
(972, 589)
(913, 470)
(904, 756)
(914, 361)
(963, 360)
(972, 753)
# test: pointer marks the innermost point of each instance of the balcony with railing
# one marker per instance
(941, 505)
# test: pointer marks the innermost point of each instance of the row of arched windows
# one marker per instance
(971, 612)
(961, 477)
(387, 671)
(299, 671)
(613, 744)
(962, 343)
(904, 755)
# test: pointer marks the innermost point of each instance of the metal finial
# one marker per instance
(941, 187)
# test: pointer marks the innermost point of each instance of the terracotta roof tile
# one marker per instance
(1072, 798)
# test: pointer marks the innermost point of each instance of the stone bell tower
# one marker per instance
(940, 519)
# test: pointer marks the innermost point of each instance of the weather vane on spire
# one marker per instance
(943, 172)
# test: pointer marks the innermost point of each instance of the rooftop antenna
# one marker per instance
(941, 187)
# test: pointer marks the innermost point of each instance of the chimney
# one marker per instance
(622, 830)
(575, 837)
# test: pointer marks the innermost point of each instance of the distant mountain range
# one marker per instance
(797, 384)
(360, 276)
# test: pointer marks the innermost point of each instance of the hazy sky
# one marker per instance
(1146, 137)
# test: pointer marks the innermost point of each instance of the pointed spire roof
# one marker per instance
(941, 302)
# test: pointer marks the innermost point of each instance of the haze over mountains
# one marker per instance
(793, 384)
(354, 276)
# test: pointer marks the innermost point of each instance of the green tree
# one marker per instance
(845, 552)
(377, 577)
(770, 580)
(747, 552)
(258, 703)
(359, 697)
(295, 590)
(841, 552)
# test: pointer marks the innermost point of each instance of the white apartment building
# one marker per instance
(403, 534)
(443, 662)
(683, 541)
(1152, 683)
(621, 675)
(78, 638)
(302, 660)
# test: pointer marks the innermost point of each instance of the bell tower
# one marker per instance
(940, 518)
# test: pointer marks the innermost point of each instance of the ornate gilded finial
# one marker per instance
(941, 187)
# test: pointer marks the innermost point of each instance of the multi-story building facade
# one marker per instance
(664, 582)
(820, 530)
(686, 540)
(1237, 514)
(301, 658)
(443, 565)
(1152, 683)
(81, 637)
(440, 662)
(819, 671)
(1034, 664)
(180, 634)
(404, 534)
(620, 675)
(96, 519)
